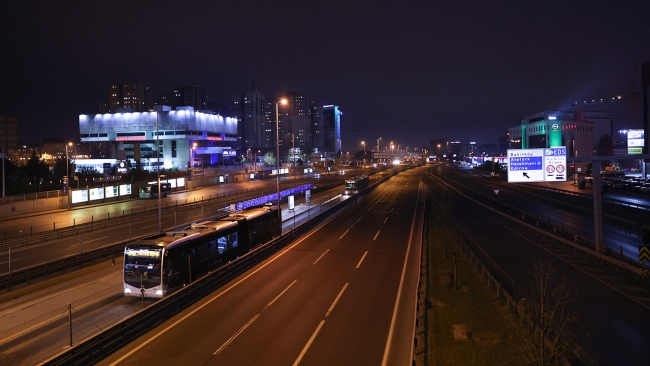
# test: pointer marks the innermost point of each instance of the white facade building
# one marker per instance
(185, 135)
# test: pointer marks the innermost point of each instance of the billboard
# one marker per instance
(635, 141)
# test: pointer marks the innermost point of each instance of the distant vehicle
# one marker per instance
(494, 175)
(356, 184)
(151, 190)
(160, 264)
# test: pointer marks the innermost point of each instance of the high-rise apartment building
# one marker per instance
(129, 94)
(8, 134)
(317, 134)
(249, 109)
(268, 128)
(187, 96)
(294, 123)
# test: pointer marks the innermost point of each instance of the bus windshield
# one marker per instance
(142, 266)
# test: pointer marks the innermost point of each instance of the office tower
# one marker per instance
(331, 128)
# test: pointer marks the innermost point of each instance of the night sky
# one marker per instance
(406, 71)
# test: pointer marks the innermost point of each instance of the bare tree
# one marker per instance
(550, 317)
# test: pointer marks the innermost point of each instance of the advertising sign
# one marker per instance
(111, 192)
(291, 203)
(125, 189)
(308, 196)
(80, 195)
(635, 141)
(555, 134)
(96, 193)
(537, 165)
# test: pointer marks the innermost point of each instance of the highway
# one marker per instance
(123, 220)
(331, 297)
(614, 326)
(345, 294)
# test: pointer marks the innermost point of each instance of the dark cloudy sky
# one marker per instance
(406, 71)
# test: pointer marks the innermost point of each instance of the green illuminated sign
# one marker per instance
(555, 135)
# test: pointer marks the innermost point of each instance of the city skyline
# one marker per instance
(407, 73)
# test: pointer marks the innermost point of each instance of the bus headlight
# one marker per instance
(127, 291)
(159, 293)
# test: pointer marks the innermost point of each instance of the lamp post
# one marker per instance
(364, 153)
(277, 144)
(3, 174)
(378, 147)
(67, 162)
(158, 170)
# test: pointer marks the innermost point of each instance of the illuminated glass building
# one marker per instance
(331, 128)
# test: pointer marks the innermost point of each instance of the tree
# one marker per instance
(60, 168)
(605, 146)
(35, 170)
(551, 314)
(269, 159)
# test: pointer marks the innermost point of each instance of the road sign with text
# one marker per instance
(537, 165)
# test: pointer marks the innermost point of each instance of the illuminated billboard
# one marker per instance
(635, 141)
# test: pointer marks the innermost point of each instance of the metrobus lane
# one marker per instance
(266, 315)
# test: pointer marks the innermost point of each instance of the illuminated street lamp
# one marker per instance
(277, 144)
(158, 170)
(364, 153)
(67, 162)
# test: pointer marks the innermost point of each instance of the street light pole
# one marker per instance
(67, 163)
(158, 169)
(277, 144)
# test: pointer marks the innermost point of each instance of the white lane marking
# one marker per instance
(376, 235)
(336, 300)
(281, 293)
(361, 260)
(346, 231)
(313, 336)
(321, 256)
(235, 335)
(386, 219)
(389, 340)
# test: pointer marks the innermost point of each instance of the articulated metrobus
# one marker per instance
(163, 263)
(356, 184)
